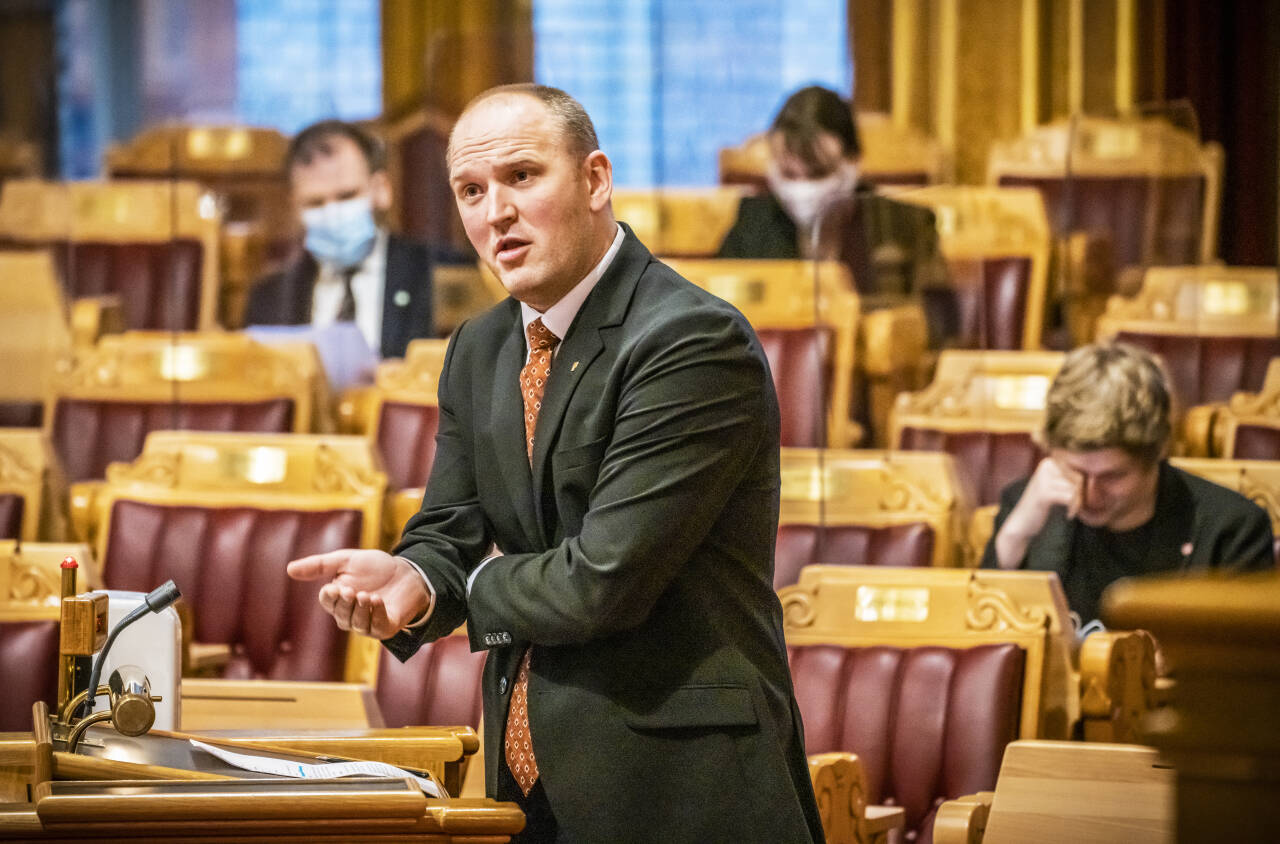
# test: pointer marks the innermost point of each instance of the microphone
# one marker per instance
(155, 601)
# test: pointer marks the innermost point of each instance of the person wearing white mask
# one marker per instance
(352, 269)
(816, 205)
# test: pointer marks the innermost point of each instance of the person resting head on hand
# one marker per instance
(1105, 503)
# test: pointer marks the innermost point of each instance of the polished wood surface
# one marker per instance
(118, 793)
(277, 705)
(673, 222)
(1220, 637)
(1053, 792)
(34, 332)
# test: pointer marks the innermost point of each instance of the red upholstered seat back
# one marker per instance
(985, 306)
(1256, 442)
(800, 545)
(21, 414)
(11, 506)
(986, 461)
(158, 283)
(407, 442)
(928, 723)
(89, 434)
(800, 359)
(1116, 208)
(438, 686)
(1209, 369)
(29, 668)
(230, 565)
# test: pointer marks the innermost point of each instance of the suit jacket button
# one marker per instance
(502, 685)
(401, 298)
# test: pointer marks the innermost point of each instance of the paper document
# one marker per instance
(331, 770)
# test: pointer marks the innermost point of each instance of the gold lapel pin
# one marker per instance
(575, 366)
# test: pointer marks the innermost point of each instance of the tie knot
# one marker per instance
(540, 337)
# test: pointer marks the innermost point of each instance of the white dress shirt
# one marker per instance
(368, 285)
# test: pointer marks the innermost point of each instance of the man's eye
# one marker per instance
(470, 192)
(521, 176)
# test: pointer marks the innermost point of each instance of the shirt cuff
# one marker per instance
(471, 578)
(431, 599)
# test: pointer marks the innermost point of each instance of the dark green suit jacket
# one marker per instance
(638, 559)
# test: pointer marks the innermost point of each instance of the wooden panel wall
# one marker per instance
(444, 52)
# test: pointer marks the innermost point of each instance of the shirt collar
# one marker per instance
(559, 316)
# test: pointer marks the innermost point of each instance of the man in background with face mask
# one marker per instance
(817, 207)
(353, 270)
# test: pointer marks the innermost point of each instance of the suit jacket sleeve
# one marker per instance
(1246, 540)
(694, 404)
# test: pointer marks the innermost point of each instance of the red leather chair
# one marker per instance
(102, 409)
(987, 461)
(996, 243)
(982, 408)
(928, 723)
(439, 685)
(221, 514)
(29, 666)
(154, 244)
(867, 508)
(1215, 330)
(926, 675)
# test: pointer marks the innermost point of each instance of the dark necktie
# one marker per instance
(517, 743)
(347, 310)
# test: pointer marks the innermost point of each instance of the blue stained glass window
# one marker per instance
(670, 82)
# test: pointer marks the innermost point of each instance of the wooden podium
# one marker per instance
(157, 786)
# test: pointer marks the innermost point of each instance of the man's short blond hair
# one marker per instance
(1110, 395)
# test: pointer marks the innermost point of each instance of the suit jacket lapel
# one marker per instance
(508, 429)
(605, 306)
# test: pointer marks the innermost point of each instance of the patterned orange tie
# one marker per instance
(517, 744)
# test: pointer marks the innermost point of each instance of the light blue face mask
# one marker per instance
(340, 233)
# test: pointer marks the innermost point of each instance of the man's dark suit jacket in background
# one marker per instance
(637, 562)
(890, 247)
(1197, 525)
(284, 298)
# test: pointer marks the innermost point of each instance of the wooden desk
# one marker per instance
(1056, 792)
(276, 705)
(115, 793)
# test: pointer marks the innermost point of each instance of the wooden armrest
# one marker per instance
(94, 316)
(353, 410)
(82, 499)
(1117, 684)
(981, 526)
(882, 820)
(1198, 434)
(893, 340)
(963, 820)
(841, 788)
(205, 660)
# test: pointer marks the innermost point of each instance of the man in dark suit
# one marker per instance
(1105, 503)
(352, 269)
(637, 685)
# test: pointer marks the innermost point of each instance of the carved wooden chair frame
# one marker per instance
(995, 222)
(878, 489)
(143, 211)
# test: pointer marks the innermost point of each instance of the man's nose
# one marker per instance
(1090, 493)
(499, 208)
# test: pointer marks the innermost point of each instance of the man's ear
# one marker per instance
(599, 172)
(380, 191)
